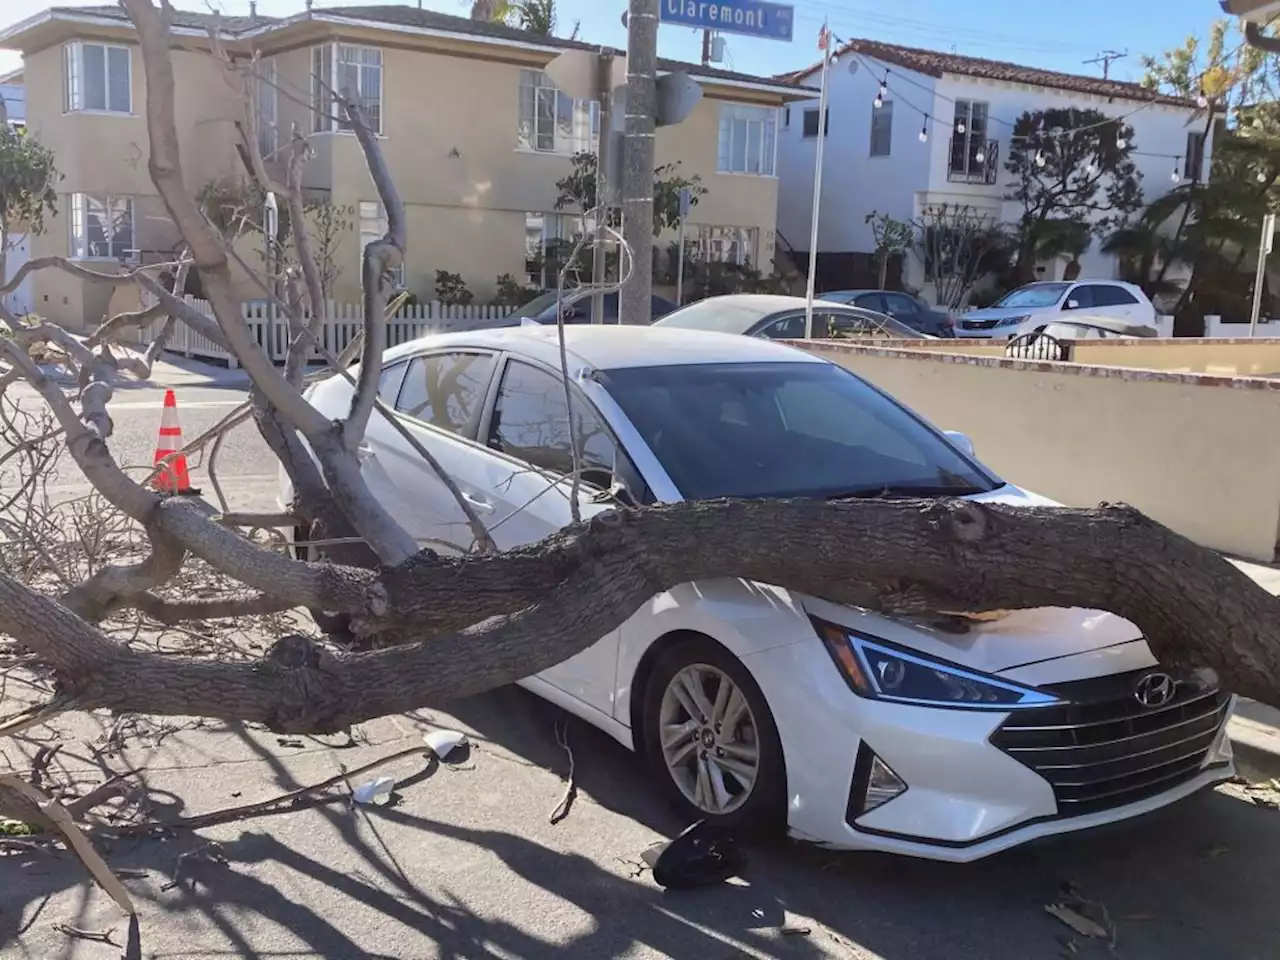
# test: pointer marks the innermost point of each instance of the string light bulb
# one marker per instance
(1202, 100)
(1040, 159)
(1121, 142)
(1262, 176)
(1177, 172)
(924, 131)
(879, 101)
(960, 127)
(980, 156)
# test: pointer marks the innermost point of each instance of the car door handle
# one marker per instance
(364, 450)
(476, 504)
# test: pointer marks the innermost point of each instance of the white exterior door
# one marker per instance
(17, 252)
(528, 449)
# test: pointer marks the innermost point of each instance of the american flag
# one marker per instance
(824, 37)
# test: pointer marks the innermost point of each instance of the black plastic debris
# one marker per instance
(700, 856)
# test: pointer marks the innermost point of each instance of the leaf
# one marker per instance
(1076, 921)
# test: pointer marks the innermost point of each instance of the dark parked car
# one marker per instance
(912, 311)
(577, 308)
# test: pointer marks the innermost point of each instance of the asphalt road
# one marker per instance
(205, 394)
(465, 863)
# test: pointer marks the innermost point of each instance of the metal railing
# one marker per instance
(984, 171)
(1038, 346)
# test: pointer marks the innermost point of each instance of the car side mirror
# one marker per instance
(1073, 305)
(961, 442)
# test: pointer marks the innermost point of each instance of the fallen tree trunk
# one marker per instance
(542, 604)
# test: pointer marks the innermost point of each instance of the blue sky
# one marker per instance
(1054, 34)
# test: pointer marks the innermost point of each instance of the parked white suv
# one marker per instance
(1013, 313)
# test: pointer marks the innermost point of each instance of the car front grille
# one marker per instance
(1103, 748)
(978, 324)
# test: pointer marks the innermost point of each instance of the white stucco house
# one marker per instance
(875, 159)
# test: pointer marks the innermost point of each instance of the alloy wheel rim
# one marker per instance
(710, 740)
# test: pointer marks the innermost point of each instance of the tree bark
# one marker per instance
(480, 622)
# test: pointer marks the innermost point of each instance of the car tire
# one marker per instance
(763, 808)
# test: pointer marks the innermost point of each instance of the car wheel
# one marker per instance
(710, 739)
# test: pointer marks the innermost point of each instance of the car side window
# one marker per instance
(531, 423)
(1105, 295)
(871, 301)
(389, 382)
(787, 328)
(1081, 296)
(898, 305)
(446, 390)
(851, 325)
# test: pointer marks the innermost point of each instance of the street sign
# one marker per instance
(686, 201)
(753, 18)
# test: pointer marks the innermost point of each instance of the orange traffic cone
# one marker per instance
(172, 476)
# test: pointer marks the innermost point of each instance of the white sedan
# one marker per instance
(757, 706)
(1023, 310)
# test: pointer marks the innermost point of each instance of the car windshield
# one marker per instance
(795, 429)
(1035, 295)
(716, 314)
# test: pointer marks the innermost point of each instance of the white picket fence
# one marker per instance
(341, 324)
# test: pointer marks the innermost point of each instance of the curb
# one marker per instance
(1256, 747)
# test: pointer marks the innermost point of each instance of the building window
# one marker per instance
(549, 238)
(102, 228)
(356, 74)
(882, 129)
(728, 245)
(551, 121)
(96, 77)
(811, 123)
(786, 118)
(969, 138)
(1193, 164)
(267, 100)
(748, 140)
(373, 226)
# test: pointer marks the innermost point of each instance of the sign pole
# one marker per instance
(1259, 278)
(686, 202)
(599, 262)
(824, 43)
(635, 304)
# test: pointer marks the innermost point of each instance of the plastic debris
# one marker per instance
(374, 791)
(444, 742)
(700, 856)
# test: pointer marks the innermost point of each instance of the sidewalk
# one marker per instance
(1255, 728)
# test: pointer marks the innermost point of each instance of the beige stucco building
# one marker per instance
(473, 131)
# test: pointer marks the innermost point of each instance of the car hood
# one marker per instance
(1015, 638)
(999, 313)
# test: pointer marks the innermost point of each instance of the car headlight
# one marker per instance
(878, 670)
(1012, 321)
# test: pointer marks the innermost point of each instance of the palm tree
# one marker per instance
(535, 16)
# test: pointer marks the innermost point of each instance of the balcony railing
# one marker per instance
(984, 171)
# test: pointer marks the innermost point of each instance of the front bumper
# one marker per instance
(966, 797)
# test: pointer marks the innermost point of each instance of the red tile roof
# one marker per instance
(935, 64)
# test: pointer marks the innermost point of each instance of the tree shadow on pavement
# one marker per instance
(1194, 880)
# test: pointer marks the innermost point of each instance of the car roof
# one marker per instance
(612, 346)
(740, 312)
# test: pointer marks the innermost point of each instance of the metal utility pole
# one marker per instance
(599, 262)
(706, 48)
(824, 42)
(634, 299)
(1105, 58)
(1260, 277)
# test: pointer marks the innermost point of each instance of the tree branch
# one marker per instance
(914, 558)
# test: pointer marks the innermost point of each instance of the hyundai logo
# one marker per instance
(1155, 690)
